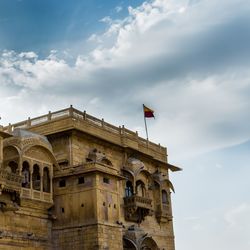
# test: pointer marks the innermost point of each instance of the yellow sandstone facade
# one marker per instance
(71, 181)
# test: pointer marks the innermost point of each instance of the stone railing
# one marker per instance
(36, 195)
(166, 209)
(163, 212)
(91, 120)
(138, 201)
(10, 180)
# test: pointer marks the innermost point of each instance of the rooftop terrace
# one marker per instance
(71, 118)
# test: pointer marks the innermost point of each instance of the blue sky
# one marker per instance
(41, 26)
(189, 60)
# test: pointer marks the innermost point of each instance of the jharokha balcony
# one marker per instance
(10, 181)
(137, 207)
(138, 201)
(163, 213)
(10, 186)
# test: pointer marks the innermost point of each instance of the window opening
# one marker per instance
(106, 180)
(36, 177)
(13, 166)
(62, 183)
(46, 180)
(25, 175)
(140, 188)
(81, 180)
(129, 189)
(164, 197)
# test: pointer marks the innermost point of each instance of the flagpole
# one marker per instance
(145, 122)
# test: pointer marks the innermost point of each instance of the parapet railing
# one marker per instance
(10, 180)
(138, 201)
(163, 210)
(79, 115)
(36, 195)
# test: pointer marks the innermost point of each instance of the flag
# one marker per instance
(148, 113)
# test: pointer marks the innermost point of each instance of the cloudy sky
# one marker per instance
(189, 60)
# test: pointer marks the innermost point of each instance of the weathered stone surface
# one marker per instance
(77, 182)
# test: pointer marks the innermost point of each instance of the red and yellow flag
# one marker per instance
(148, 113)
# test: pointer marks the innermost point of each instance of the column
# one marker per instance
(31, 175)
(41, 179)
(51, 182)
(1, 151)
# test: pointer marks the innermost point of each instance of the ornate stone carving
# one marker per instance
(38, 153)
(29, 144)
(139, 238)
(10, 152)
(13, 141)
(23, 140)
(9, 200)
(137, 208)
(163, 213)
(134, 165)
(98, 156)
(10, 206)
(162, 180)
(10, 181)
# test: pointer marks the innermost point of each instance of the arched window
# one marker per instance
(13, 166)
(140, 188)
(148, 243)
(164, 197)
(26, 175)
(129, 244)
(129, 189)
(36, 177)
(46, 180)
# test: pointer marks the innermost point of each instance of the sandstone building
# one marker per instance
(71, 181)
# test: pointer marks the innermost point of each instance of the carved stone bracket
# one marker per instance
(163, 213)
(137, 208)
(98, 156)
(10, 206)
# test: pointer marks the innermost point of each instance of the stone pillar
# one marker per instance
(51, 183)
(41, 178)
(51, 180)
(31, 174)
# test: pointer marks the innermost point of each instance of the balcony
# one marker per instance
(10, 181)
(137, 208)
(163, 213)
(138, 201)
(36, 195)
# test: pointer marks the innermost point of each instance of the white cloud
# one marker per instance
(189, 61)
(118, 9)
(169, 54)
(106, 19)
(94, 38)
(28, 55)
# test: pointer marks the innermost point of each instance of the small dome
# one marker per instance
(135, 162)
(24, 134)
